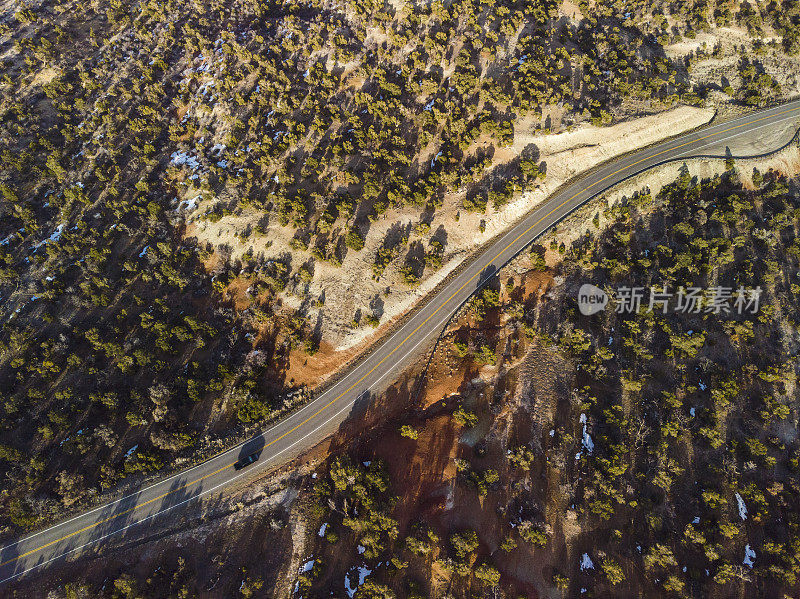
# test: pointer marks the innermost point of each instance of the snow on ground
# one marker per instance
(587, 439)
(363, 572)
(183, 158)
(749, 556)
(742, 507)
(57, 233)
(308, 566)
(54, 237)
(189, 205)
(322, 528)
(586, 562)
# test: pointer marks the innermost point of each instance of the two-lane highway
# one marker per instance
(321, 417)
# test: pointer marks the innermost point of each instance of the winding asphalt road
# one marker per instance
(322, 416)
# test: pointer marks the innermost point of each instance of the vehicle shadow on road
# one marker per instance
(185, 492)
(253, 447)
(486, 275)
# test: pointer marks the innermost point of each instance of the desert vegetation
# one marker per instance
(647, 453)
(127, 345)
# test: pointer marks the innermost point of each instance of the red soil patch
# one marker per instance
(423, 469)
(537, 282)
(327, 361)
(313, 370)
(237, 292)
(449, 375)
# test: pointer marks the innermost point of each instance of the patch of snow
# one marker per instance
(587, 439)
(129, 453)
(306, 567)
(57, 233)
(361, 549)
(450, 501)
(322, 528)
(143, 253)
(742, 507)
(189, 205)
(749, 556)
(586, 562)
(363, 572)
(181, 158)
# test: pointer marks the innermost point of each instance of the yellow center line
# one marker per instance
(398, 346)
